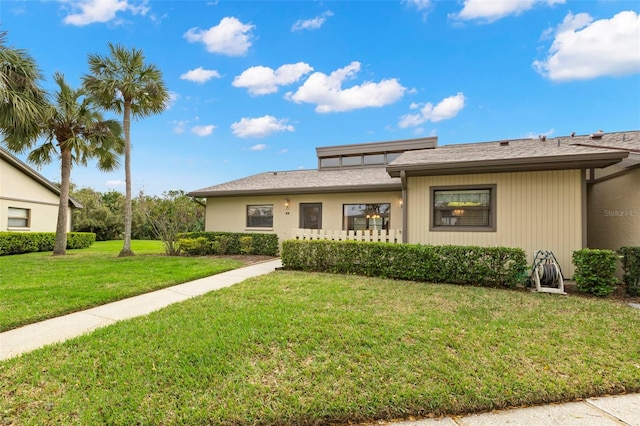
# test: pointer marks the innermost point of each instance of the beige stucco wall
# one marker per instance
(229, 213)
(21, 191)
(534, 211)
(613, 212)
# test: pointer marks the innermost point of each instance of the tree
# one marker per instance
(76, 132)
(170, 215)
(124, 83)
(100, 213)
(22, 100)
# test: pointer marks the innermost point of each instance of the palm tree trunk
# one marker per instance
(126, 248)
(60, 245)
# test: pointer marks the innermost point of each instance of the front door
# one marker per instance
(311, 215)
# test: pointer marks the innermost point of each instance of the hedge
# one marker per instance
(228, 243)
(28, 242)
(631, 267)
(595, 271)
(485, 266)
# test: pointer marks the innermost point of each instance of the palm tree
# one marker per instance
(76, 131)
(22, 101)
(124, 83)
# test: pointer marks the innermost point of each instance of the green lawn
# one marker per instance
(38, 286)
(301, 348)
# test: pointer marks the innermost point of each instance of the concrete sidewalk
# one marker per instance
(33, 336)
(605, 411)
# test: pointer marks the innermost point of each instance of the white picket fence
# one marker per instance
(385, 236)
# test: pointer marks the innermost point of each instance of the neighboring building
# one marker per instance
(28, 201)
(534, 194)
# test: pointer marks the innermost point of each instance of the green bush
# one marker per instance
(230, 242)
(595, 271)
(631, 267)
(193, 246)
(29, 242)
(486, 266)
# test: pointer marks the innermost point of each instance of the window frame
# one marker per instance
(253, 226)
(462, 228)
(26, 218)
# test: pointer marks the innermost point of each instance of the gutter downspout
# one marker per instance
(403, 180)
(583, 183)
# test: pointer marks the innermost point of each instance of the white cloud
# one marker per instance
(418, 4)
(327, 93)
(258, 147)
(490, 11)
(261, 80)
(446, 109)
(114, 183)
(85, 12)
(260, 127)
(532, 135)
(585, 49)
(200, 75)
(203, 130)
(313, 23)
(230, 37)
(178, 126)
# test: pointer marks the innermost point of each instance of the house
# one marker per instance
(555, 194)
(28, 201)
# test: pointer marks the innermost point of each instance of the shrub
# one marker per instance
(595, 271)
(246, 244)
(631, 267)
(193, 246)
(486, 266)
(29, 242)
(230, 242)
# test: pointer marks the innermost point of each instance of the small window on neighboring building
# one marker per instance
(19, 218)
(463, 208)
(330, 162)
(260, 216)
(366, 216)
(370, 159)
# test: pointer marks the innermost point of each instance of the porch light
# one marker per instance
(458, 212)
(286, 203)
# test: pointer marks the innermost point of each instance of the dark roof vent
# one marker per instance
(542, 138)
(597, 135)
(504, 143)
(573, 134)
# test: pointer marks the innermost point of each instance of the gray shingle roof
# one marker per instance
(521, 154)
(305, 182)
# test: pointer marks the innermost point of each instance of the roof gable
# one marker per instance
(24, 168)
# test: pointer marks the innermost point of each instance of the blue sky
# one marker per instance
(256, 86)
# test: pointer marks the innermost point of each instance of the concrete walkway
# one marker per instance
(605, 411)
(33, 336)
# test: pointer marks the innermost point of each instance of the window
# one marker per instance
(330, 162)
(311, 215)
(366, 216)
(260, 216)
(19, 218)
(470, 208)
(352, 160)
(373, 159)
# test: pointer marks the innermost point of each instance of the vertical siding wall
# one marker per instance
(229, 213)
(613, 212)
(534, 211)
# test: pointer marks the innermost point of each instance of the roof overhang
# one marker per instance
(377, 147)
(526, 164)
(396, 186)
